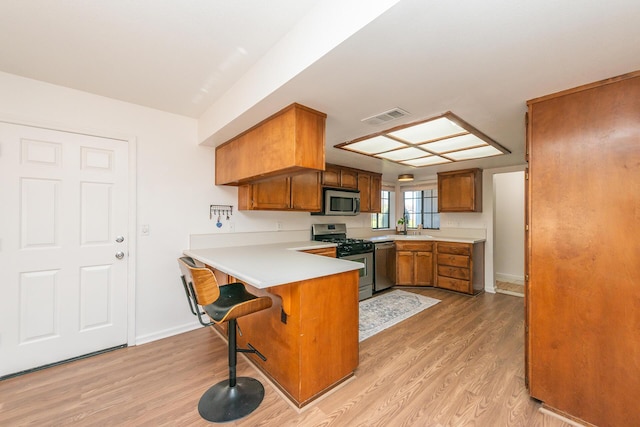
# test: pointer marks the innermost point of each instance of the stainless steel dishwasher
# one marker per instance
(385, 266)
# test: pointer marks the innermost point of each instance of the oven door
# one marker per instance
(365, 273)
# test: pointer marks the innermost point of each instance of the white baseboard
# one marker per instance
(512, 278)
(166, 333)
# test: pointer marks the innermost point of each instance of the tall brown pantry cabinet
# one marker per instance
(583, 251)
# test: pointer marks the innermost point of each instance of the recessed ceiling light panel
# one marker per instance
(428, 131)
(461, 142)
(474, 153)
(402, 154)
(375, 145)
(426, 161)
(443, 139)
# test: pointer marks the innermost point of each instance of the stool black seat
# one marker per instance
(234, 398)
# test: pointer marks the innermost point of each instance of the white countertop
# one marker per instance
(425, 237)
(264, 266)
(267, 265)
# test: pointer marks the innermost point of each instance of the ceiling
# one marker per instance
(231, 64)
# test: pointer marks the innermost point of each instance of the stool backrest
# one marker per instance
(202, 280)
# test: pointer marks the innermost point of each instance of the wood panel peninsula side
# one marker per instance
(310, 334)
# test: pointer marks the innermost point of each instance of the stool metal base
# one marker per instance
(222, 403)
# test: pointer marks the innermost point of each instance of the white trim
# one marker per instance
(488, 210)
(6, 118)
(166, 333)
(512, 278)
(133, 200)
(133, 248)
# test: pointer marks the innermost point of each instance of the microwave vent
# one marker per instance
(385, 117)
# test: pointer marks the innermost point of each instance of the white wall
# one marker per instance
(509, 226)
(484, 220)
(174, 183)
(175, 186)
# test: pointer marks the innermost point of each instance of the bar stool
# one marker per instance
(234, 398)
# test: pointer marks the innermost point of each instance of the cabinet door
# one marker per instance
(331, 176)
(375, 201)
(460, 191)
(423, 267)
(404, 268)
(328, 252)
(364, 185)
(306, 193)
(274, 194)
(583, 261)
(348, 179)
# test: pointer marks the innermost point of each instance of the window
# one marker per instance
(383, 219)
(421, 208)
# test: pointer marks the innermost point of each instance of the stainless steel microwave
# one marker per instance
(341, 202)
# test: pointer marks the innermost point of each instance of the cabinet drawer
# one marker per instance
(414, 246)
(455, 272)
(453, 284)
(453, 248)
(453, 260)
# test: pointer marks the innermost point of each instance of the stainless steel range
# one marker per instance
(358, 250)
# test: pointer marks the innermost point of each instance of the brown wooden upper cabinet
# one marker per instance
(289, 141)
(460, 191)
(299, 192)
(368, 183)
(339, 177)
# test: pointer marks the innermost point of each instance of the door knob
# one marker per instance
(119, 254)
(119, 239)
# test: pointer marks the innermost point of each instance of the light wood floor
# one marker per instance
(459, 363)
(510, 288)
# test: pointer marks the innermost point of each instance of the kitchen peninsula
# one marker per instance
(310, 334)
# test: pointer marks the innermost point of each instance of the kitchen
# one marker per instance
(168, 157)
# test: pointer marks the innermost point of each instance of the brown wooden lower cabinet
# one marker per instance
(448, 265)
(460, 266)
(330, 252)
(414, 263)
(309, 335)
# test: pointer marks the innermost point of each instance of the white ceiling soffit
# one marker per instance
(170, 55)
(326, 26)
(231, 64)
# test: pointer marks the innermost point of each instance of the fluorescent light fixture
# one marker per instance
(375, 145)
(442, 139)
(402, 154)
(426, 161)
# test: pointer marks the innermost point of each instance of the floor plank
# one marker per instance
(510, 288)
(458, 363)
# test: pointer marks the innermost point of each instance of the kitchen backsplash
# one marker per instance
(221, 240)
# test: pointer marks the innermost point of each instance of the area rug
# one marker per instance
(383, 311)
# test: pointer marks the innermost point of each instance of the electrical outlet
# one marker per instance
(232, 227)
(279, 225)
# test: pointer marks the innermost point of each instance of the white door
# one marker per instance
(63, 212)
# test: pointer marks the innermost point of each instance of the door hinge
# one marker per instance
(526, 277)
(526, 227)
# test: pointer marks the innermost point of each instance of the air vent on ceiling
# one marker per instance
(385, 117)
